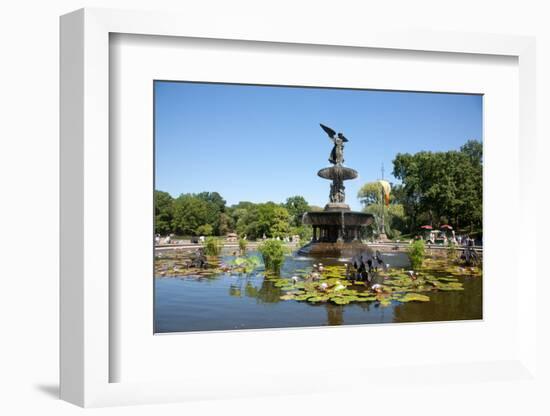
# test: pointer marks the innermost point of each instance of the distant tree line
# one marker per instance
(207, 213)
(436, 188)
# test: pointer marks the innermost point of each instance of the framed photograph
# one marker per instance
(233, 203)
(337, 251)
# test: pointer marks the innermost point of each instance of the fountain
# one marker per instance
(336, 229)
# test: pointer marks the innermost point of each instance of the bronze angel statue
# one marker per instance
(337, 154)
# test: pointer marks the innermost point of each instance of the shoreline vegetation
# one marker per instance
(434, 189)
(331, 283)
(437, 190)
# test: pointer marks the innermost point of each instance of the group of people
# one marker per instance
(285, 239)
(163, 240)
(465, 240)
(461, 240)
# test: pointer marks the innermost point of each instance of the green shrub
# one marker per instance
(212, 246)
(417, 252)
(242, 245)
(273, 253)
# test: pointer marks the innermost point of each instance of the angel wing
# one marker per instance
(331, 133)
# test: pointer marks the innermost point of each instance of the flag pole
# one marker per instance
(383, 202)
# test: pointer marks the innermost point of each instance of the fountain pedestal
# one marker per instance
(336, 229)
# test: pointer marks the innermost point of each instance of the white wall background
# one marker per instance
(29, 206)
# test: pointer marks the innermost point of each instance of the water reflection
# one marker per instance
(232, 301)
(335, 314)
(445, 306)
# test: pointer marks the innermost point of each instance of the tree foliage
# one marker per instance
(296, 207)
(370, 193)
(190, 213)
(269, 219)
(394, 218)
(435, 188)
(442, 186)
(164, 212)
(207, 214)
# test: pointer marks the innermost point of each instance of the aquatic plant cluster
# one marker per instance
(273, 253)
(330, 283)
(399, 285)
(180, 264)
(417, 253)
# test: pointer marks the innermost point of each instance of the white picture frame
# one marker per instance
(86, 166)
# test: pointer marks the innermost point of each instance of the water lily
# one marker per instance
(378, 288)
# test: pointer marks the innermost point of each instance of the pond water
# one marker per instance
(232, 301)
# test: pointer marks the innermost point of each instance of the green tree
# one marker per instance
(296, 207)
(246, 220)
(276, 218)
(190, 213)
(226, 224)
(442, 186)
(205, 229)
(164, 212)
(215, 206)
(394, 218)
(255, 220)
(474, 150)
(304, 231)
(371, 193)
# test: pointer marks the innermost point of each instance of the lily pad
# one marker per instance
(414, 297)
(315, 299)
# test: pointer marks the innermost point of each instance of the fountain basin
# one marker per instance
(338, 172)
(336, 232)
(335, 217)
(343, 249)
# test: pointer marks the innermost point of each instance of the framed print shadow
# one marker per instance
(267, 218)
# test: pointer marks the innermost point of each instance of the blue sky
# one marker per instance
(260, 143)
